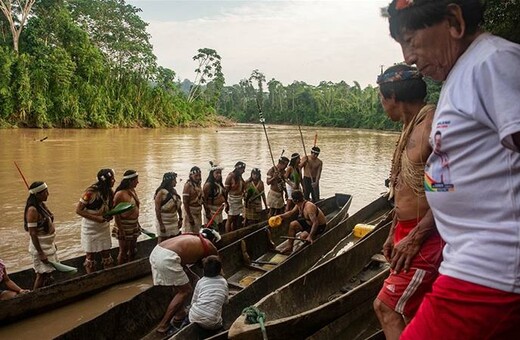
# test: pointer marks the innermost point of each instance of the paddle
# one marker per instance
(210, 222)
(119, 209)
(63, 267)
(148, 233)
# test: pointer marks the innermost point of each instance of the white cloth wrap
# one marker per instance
(166, 268)
(95, 236)
(236, 205)
(171, 224)
(49, 249)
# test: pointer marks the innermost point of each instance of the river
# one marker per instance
(355, 162)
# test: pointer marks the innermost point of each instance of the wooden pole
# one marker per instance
(21, 174)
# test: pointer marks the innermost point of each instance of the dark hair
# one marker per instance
(103, 185)
(239, 165)
(166, 183)
(315, 149)
(212, 266)
(426, 13)
(294, 158)
(125, 183)
(32, 201)
(297, 196)
(283, 159)
(213, 184)
(409, 90)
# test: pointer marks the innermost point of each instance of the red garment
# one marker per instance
(457, 309)
(403, 292)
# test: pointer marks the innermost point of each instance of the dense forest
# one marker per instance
(89, 63)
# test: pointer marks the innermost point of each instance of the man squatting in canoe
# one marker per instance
(192, 202)
(169, 262)
(311, 221)
(414, 247)
(276, 182)
(312, 167)
(168, 211)
(95, 202)
(11, 288)
(127, 228)
(214, 195)
(39, 222)
(235, 188)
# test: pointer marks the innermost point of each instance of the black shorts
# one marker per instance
(306, 227)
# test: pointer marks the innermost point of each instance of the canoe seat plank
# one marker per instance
(379, 258)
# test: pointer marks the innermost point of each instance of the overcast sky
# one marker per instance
(308, 41)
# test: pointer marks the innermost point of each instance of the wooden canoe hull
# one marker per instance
(312, 301)
(72, 287)
(232, 260)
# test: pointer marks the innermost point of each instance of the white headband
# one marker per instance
(38, 189)
(216, 167)
(130, 176)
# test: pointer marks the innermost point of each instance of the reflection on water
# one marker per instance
(355, 162)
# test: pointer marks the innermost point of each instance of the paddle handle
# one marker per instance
(215, 214)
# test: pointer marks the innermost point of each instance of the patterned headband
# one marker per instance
(400, 75)
(38, 189)
(402, 4)
(130, 176)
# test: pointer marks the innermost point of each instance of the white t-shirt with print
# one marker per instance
(478, 212)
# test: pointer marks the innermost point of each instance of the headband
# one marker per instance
(255, 170)
(131, 176)
(402, 4)
(295, 156)
(400, 75)
(240, 165)
(216, 167)
(38, 189)
(195, 171)
(169, 176)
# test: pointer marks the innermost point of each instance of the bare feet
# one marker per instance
(286, 251)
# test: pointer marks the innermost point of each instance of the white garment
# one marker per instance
(49, 249)
(166, 268)
(479, 214)
(95, 236)
(206, 304)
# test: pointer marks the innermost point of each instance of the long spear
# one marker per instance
(303, 143)
(21, 174)
(262, 120)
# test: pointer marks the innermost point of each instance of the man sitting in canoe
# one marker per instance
(413, 247)
(311, 221)
(169, 261)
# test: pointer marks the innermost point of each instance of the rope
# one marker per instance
(254, 315)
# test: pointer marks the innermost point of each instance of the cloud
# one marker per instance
(309, 41)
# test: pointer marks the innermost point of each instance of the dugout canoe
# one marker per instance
(68, 288)
(139, 316)
(345, 286)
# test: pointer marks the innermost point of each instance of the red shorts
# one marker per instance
(403, 292)
(457, 309)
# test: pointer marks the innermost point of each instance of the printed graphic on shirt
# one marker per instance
(437, 171)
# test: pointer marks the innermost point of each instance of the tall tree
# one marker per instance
(208, 69)
(16, 12)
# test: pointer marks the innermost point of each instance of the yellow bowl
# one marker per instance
(275, 221)
(361, 230)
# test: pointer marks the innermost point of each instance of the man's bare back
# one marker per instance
(189, 247)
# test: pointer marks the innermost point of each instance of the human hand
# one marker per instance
(309, 239)
(43, 258)
(388, 247)
(403, 253)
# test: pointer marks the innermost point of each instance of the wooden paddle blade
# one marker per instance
(120, 208)
(63, 267)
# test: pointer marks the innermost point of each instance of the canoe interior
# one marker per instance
(323, 294)
(296, 264)
(233, 261)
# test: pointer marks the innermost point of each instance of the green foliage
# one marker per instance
(502, 18)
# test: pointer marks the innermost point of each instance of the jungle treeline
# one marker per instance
(90, 64)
